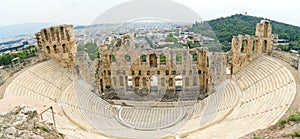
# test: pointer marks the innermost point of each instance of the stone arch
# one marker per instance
(144, 82)
(137, 81)
(143, 59)
(129, 81)
(265, 46)
(195, 57)
(101, 85)
(195, 81)
(178, 82)
(154, 81)
(48, 50)
(62, 33)
(163, 59)
(266, 28)
(55, 49)
(52, 34)
(121, 80)
(64, 48)
(163, 82)
(107, 83)
(170, 82)
(245, 46)
(187, 82)
(127, 58)
(178, 59)
(46, 35)
(153, 60)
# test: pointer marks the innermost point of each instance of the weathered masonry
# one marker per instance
(59, 43)
(245, 47)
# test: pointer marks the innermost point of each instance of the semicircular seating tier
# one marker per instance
(256, 97)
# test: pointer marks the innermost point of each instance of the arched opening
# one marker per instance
(48, 50)
(163, 59)
(195, 81)
(178, 82)
(207, 62)
(57, 36)
(137, 81)
(68, 36)
(46, 35)
(108, 83)
(113, 58)
(55, 49)
(101, 85)
(62, 33)
(253, 46)
(129, 82)
(52, 34)
(243, 46)
(178, 59)
(114, 81)
(170, 82)
(153, 60)
(187, 82)
(195, 57)
(266, 28)
(144, 82)
(127, 58)
(64, 48)
(163, 82)
(265, 45)
(143, 59)
(246, 47)
(154, 81)
(121, 80)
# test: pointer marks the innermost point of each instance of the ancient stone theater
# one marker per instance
(136, 91)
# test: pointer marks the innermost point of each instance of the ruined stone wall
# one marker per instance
(59, 43)
(245, 48)
(84, 67)
(127, 69)
(217, 67)
(4, 75)
(291, 58)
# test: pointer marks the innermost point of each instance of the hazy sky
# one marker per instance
(85, 11)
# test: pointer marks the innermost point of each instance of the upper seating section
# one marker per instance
(45, 82)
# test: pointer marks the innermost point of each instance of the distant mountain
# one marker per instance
(226, 27)
(20, 29)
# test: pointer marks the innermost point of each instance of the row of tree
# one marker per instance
(25, 53)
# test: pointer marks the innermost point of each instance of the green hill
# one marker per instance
(226, 27)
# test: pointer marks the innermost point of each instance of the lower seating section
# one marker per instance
(151, 118)
(268, 89)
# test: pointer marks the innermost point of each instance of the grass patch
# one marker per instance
(294, 118)
(295, 134)
(61, 134)
(44, 128)
(282, 122)
(255, 137)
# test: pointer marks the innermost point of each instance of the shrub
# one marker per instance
(295, 134)
(44, 128)
(282, 122)
(294, 118)
(61, 134)
(255, 137)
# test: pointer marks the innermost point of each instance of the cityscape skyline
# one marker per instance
(83, 13)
